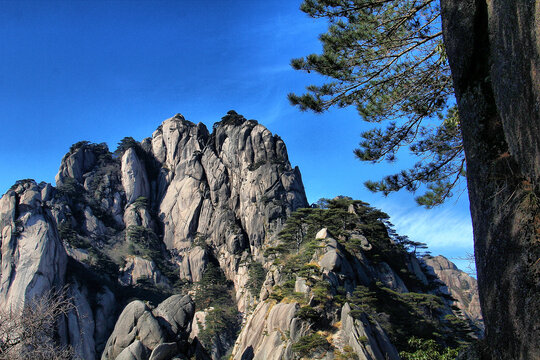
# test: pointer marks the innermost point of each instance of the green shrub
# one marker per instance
(308, 270)
(214, 291)
(286, 290)
(347, 354)
(102, 263)
(70, 236)
(362, 301)
(256, 277)
(125, 144)
(145, 243)
(321, 291)
(308, 313)
(363, 339)
(78, 145)
(427, 349)
(232, 118)
(140, 203)
(71, 189)
(220, 320)
(307, 345)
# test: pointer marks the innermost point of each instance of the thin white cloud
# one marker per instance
(445, 231)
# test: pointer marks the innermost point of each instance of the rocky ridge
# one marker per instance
(347, 291)
(462, 287)
(207, 214)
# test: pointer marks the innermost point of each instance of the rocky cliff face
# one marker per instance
(149, 219)
(33, 258)
(462, 287)
(214, 217)
(343, 291)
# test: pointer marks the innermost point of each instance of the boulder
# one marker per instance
(151, 331)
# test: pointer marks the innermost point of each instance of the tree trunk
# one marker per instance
(494, 53)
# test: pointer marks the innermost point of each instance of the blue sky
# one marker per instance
(103, 70)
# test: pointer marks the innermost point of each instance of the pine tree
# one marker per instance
(387, 59)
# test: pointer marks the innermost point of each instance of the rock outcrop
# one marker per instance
(192, 212)
(300, 315)
(134, 177)
(33, 258)
(270, 332)
(139, 269)
(230, 190)
(367, 339)
(148, 218)
(458, 284)
(144, 333)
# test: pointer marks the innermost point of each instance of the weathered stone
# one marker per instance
(135, 351)
(177, 311)
(33, 259)
(81, 323)
(232, 189)
(300, 286)
(134, 178)
(193, 264)
(149, 331)
(368, 340)
(169, 322)
(75, 164)
(199, 323)
(137, 268)
(104, 317)
(80, 255)
(413, 265)
(457, 283)
(322, 234)
(331, 261)
(92, 225)
(390, 278)
(164, 351)
(125, 330)
(137, 216)
(262, 335)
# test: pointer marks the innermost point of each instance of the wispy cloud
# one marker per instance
(446, 231)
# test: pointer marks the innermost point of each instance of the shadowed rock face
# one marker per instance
(459, 285)
(377, 346)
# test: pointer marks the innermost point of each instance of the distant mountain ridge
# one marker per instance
(199, 244)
